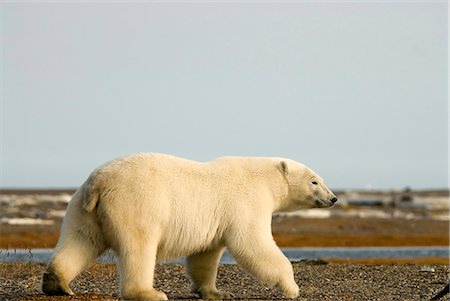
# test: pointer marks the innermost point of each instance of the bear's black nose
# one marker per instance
(334, 200)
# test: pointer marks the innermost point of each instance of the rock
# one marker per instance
(427, 269)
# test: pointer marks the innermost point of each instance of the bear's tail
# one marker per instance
(90, 198)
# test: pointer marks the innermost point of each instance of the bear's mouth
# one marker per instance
(322, 204)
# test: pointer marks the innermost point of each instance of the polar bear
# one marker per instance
(153, 207)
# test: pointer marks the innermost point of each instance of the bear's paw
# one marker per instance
(216, 295)
(150, 295)
(53, 286)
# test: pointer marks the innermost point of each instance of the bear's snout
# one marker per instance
(334, 200)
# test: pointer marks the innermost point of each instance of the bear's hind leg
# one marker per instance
(202, 269)
(137, 265)
(72, 255)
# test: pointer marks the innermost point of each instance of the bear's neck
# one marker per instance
(279, 190)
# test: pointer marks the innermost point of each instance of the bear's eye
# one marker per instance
(314, 183)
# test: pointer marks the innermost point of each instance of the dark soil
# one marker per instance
(318, 280)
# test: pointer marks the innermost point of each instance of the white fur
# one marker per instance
(150, 207)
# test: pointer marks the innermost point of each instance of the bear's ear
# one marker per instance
(282, 166)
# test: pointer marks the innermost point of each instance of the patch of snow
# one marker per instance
(23, 201)
(433, 202)
(405, 215)
(64, 198)
(33, 200)
(57, 213)
(442, 217)
(310, 213)
(25, 221)
(361, 214)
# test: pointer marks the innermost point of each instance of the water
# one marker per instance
(294, 254)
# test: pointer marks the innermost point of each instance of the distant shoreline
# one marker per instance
(436, 255)
(32, 219)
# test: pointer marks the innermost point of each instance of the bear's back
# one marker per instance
(162, 171)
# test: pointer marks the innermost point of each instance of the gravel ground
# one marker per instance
(318, 280)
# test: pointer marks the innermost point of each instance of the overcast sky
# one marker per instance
(357, 91)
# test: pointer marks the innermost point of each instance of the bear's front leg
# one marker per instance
(258, 253)
(202, 269)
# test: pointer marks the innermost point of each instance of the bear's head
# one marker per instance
(306, 189)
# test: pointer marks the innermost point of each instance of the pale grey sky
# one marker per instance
(355, 90)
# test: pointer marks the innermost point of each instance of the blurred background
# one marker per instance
(355, 90)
